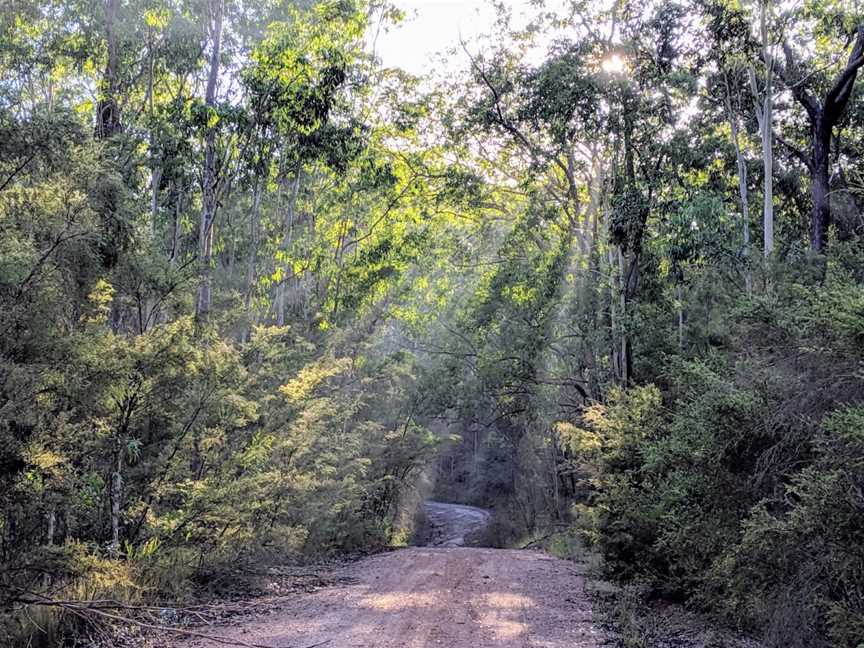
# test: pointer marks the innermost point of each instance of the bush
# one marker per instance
(740, 488)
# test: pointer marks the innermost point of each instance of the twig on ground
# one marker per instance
(84, 610)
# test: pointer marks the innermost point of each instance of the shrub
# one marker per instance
(743, 492)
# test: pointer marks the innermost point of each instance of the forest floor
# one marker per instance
(446, 595)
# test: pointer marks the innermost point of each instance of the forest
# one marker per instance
(261, 295)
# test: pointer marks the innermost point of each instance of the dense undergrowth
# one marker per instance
(183, 405)
(261, 294)
(242, 458)
(733, 480)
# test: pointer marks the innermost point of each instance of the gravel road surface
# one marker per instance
(444, 595)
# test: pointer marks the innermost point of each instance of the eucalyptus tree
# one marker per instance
(763, 100)
(825, 101)
(215, 12)
(728, 36)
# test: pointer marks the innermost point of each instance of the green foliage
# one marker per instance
(526, 287)
(741, 493)
(145, 454)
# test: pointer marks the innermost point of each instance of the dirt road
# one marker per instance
(454, 525)
(447, 595)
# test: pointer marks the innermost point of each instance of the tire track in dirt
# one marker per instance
(446, 595)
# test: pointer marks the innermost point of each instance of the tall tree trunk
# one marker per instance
(553, 460)
(589, 306)
(768, 171)
(156, 167)
(823, 116)
(209, 198)
(155, 180)
(251, 259)
(116, 497)
(107, 108)
(764, 105)
(287, 235)
(175, 228)
(629, 271)
(624, 353)
(767, 134)
(820, 217)
(741, 165)
(614, 288)
(150, 303)
(52, 526)
(49, 539)
(339, 258)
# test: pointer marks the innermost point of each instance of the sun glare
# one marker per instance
(613, 64)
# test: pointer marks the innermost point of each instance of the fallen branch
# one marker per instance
(536, 541)
(99, 610)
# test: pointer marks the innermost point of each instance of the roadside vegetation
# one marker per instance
(261, 295)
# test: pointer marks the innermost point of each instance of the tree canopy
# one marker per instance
(260, 295)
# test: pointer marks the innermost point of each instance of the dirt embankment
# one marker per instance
(444, 595)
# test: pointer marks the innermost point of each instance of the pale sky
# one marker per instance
(433, 26)
(430, 27)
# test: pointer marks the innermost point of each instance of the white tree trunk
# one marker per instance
(287, 235)
(52, 525)
(764, 115)
(742, 192)
(208, 203)
(116, 496)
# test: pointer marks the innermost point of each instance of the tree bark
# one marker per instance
(768, 137)
(175, 227)
(116, 496)
(107, 108)
(52, 526)
(614, 291)
(764, 105)
(209, 198)
(155, 180)
(743, 196)
(287, 235)
(553, 452)
(623, 360)
(823, 116)
(251, 260)
(820, 217)
(589, 306)
(156, 168)
(629, 272)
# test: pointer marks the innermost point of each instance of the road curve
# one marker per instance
(454, 525)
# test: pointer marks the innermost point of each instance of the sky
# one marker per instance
(434, 26)
(430, 27)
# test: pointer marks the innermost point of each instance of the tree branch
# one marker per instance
(18, 170)
(794, 150)
(810, 103)
(85, 608)
(505, 123)
(841, 90)
(754, 89)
